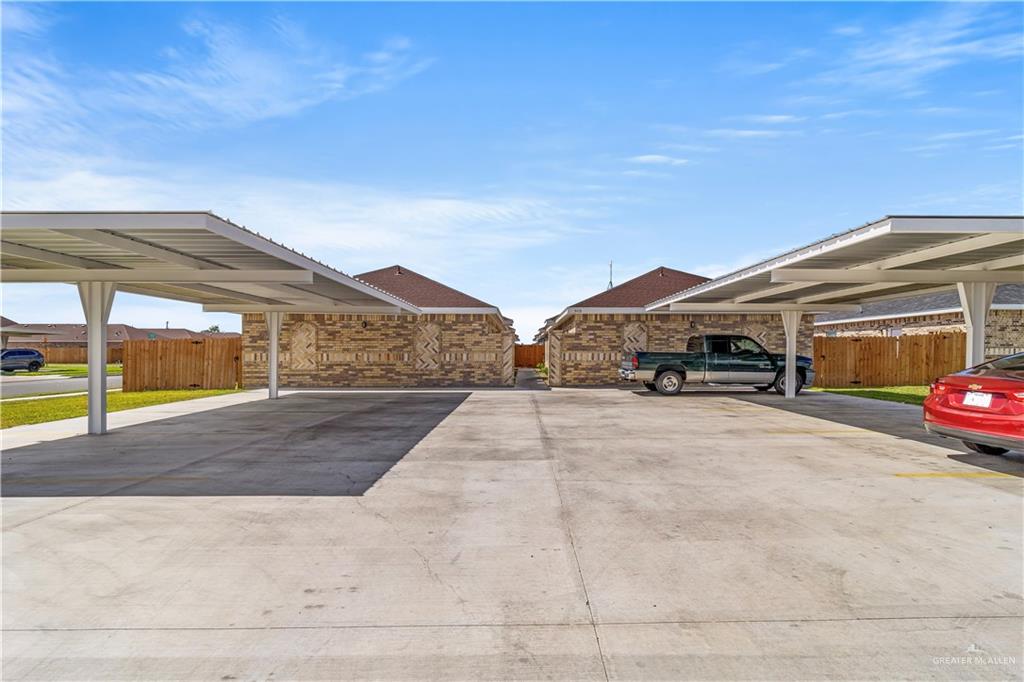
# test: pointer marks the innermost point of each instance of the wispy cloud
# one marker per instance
(747, 133)
(901, 58)
(770, 119)
(27, 18)
(961, 135)
(849, 113)
(848, 30)
(757, 60)
(658, 160)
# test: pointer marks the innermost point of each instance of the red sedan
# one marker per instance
(983, 406)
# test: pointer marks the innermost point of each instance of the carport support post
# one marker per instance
(97, 299)
(273, 337)
(791, 324)
(976, 299)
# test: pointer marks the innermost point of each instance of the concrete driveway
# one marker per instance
(565, 534)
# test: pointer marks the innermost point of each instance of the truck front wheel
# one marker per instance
(669, 383)
(780, 383)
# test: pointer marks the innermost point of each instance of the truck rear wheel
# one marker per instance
(669, 383)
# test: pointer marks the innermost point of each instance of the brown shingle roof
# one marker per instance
(640, 291)
(421, 291)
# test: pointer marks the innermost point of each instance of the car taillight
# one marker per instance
(1018, 396)
(938, 387)
(636, 362)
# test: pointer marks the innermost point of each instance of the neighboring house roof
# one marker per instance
(421, 291)
(926, 304)
(640, 291)
(633, 294)
(6, 322)
(76, 333)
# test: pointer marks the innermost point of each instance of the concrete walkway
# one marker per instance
(564, 534)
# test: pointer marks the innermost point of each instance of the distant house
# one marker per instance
(585, 343)
(45, 336)
(934, 313)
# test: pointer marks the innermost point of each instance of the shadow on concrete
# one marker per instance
(527, 379)
(301, 444)
(1011, 463)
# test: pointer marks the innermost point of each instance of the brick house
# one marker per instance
(459, 340)
(932, 314)
(586, 342)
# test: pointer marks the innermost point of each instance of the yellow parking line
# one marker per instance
(956, 474)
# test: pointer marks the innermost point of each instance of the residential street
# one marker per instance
(13, 386)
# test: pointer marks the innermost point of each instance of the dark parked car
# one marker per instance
(982, 406)
(21, 358)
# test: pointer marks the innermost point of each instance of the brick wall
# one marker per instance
(588, 349)
(326, 351)
(1004, 329)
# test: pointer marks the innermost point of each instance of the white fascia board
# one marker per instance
(956, 224)
(460, 311)
(155, 276)
(842, 276)
(301, 309)
(760, 307)
(922, 313)
(869, 231)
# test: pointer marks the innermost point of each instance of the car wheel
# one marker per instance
(780, 383)
(669, 383)
(33, 366)
(650, 386)
(985, 449)
(762, 389)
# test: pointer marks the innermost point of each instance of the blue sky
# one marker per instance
(510, 151)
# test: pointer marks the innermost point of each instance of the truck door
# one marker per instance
(750, 362)
(718, 360)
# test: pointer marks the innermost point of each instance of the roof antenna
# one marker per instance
(609, 275)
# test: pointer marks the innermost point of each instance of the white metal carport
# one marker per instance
(192, 256)
(893, 257)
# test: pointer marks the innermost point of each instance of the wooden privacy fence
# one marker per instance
(182, 363)
(529, 354)
(851, 361)
(67, 354)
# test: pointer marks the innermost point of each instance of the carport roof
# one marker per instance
(186, 255)
(890, 258)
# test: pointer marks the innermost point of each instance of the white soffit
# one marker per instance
(192, 256)
(893, 257)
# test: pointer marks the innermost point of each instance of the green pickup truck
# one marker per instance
(715, 359)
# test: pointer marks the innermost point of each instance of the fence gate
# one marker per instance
(529, 354)
(182, 363)
(851, 361)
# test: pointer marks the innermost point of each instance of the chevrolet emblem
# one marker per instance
(974, 387)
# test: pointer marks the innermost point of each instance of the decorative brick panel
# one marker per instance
(508, 359)
(377, 350)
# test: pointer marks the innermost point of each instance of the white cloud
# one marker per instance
(658, 160)
(27, 18)
(741, 133)
(770, 119)
(961, 134)
(901, 58)
(848, 30)
(838, 115)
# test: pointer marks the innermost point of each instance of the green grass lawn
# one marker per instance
(911, 395)
(75, 370)
(16, 413)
